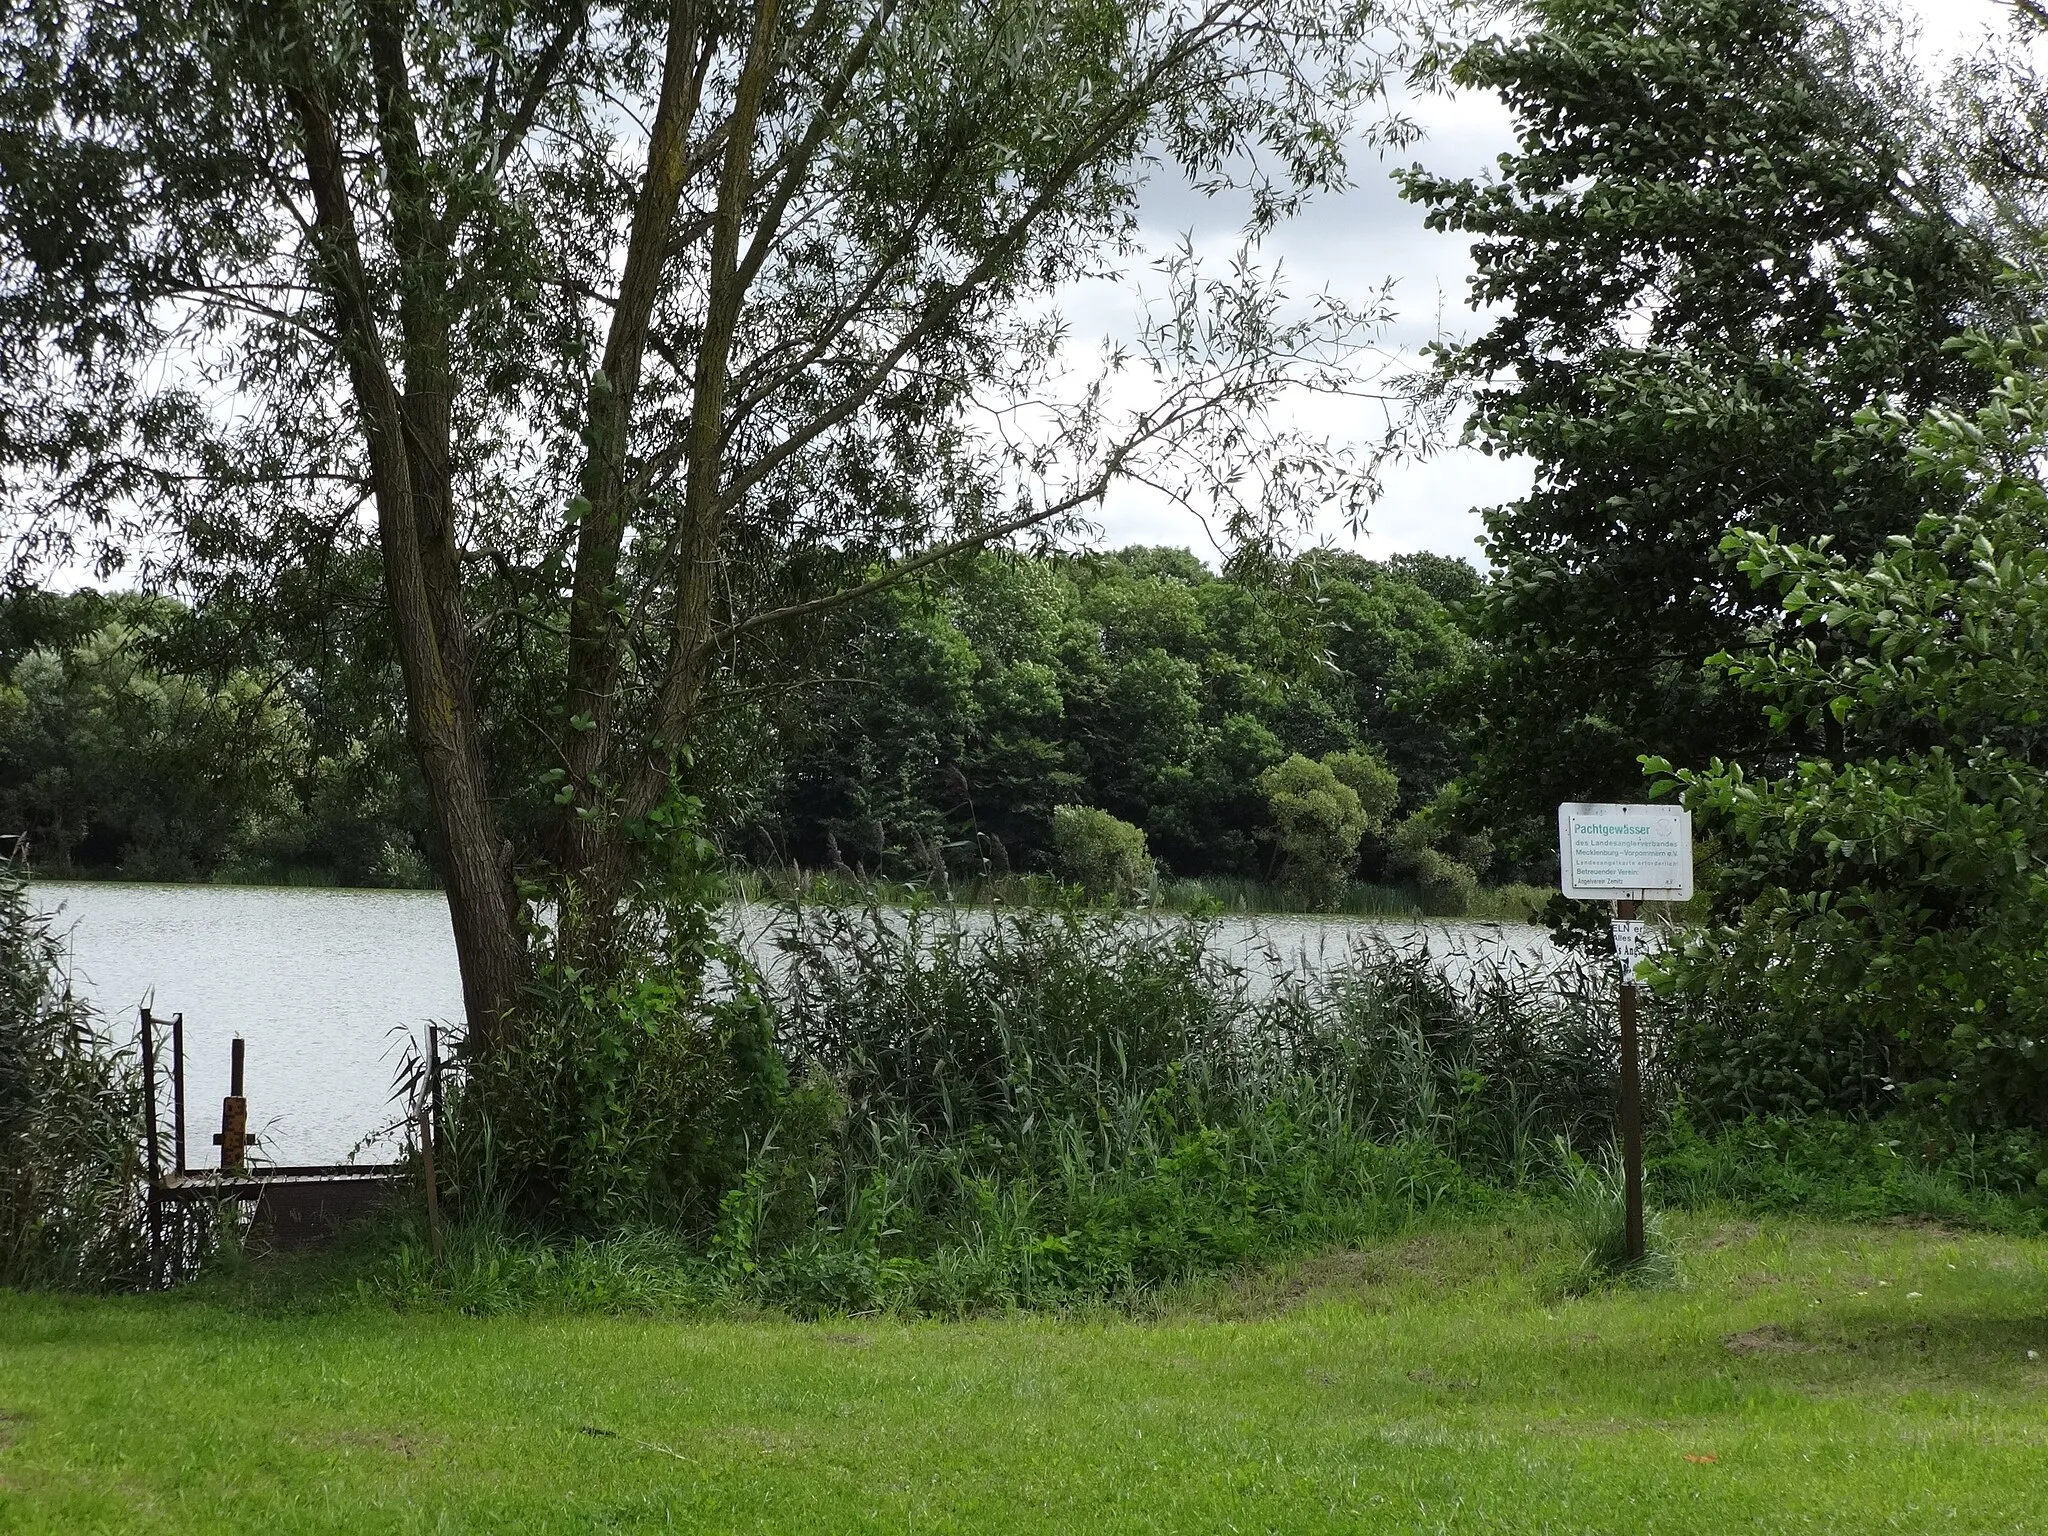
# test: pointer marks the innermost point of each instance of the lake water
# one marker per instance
(329, 986)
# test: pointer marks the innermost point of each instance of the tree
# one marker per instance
(1099, 853)
(967, 707)
(645, 335)
(140, 737)
(1877, 913)
(1317, 822)
(1367, 775)
(1722, 234)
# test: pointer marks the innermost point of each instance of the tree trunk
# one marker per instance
(407, 441)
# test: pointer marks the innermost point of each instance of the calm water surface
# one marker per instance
(324, 985)
(328, 986)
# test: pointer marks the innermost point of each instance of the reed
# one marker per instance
(72, 1187)
(1206, 895)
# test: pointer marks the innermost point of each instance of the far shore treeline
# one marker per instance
(953, 719)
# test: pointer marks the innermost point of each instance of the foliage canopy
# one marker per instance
(1878, 925)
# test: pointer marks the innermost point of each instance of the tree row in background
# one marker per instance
(1272, 730)
(1251, 729)
(129, 748)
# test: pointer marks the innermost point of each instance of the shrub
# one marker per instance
(638, 1072)
(1103, 855)
(1039, 1107)
(1317, 821)
(72, 1192)
(1853, 1169)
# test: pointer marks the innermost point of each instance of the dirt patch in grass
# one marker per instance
(1923, 1224)
(1771, 1339)
(1428, 1378)
(753, 1437)
(1378, 1278)
(9, 1425)
(392, 1442)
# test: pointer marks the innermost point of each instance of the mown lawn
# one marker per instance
(1797, 1377)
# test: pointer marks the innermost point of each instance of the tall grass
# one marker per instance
(1593, 1194)
(72, 1187)
(1040, 1106)
(1033, 1106)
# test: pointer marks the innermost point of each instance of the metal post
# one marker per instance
(178, 1090)
(149, 1148)
(234, 1117)
(1631, 1100)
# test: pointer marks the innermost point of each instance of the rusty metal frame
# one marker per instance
(181, 1187)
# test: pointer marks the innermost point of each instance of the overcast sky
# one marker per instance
(1354, 242)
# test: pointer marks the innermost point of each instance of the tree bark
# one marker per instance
(410, 483)
(589, 848)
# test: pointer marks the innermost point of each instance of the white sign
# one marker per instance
(1631, 942)
(1625, 852)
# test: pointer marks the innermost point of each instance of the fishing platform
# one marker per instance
(290, 1205)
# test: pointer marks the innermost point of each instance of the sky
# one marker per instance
(1353, 242)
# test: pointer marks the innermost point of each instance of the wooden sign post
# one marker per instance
(1627, 854)
(234, 1138)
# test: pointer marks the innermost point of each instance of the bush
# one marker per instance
(1037, 1107)
(1853, 1169)
(1317, 820)
(72, 1190)
(1103, 855)
(637, 1071)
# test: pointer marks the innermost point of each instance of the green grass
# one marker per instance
(1797, 1376)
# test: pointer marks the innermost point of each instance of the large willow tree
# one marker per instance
(626, 335)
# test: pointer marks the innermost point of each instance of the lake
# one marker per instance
(328, 987)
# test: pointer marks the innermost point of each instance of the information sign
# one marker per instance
(1625, 852)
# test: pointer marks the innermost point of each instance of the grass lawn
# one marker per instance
(1797, 1377)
